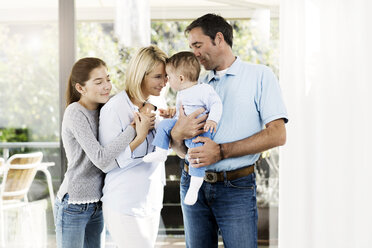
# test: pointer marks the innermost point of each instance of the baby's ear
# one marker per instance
(182, 78)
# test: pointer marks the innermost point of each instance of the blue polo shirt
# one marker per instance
(251, 98)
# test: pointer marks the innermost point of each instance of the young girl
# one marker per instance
(78, 210)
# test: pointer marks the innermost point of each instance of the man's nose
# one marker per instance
(196, 52)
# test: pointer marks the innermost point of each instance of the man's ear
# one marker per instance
(219, 38)
(80, 88)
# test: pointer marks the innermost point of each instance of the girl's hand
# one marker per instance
(167, 113)
(143, 124)
(149, 110)
(210, 126)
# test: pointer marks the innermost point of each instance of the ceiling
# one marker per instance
(103, 10)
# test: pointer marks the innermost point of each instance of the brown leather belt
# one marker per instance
(213, 177)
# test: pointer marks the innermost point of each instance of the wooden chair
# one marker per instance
(18, 173)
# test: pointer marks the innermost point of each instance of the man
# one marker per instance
(251, 100)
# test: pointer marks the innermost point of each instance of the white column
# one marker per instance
(67, 50)
(132, 22)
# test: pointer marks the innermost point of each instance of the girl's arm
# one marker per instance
(103, 157)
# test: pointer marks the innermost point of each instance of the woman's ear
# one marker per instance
(80, 88)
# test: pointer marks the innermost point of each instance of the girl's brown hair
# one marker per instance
(80, 73)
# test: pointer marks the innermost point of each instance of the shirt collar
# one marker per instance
(134, 107)
(233, 70)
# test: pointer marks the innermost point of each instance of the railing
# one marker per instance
(8, 145)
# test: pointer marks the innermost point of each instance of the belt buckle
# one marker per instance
(210, 177)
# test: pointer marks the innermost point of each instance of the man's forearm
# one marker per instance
(274, 135)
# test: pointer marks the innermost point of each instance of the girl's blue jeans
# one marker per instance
(78, 225)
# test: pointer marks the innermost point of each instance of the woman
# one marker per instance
(78, 211)
(133, 194)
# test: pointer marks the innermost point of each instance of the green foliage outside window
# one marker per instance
(29, 80)
(13, 134)
(29, 65)
(170, 37)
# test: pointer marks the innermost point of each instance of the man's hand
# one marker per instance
(204, 155)
(186, 127)
(189, 126)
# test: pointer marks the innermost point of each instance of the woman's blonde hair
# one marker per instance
(143, 63)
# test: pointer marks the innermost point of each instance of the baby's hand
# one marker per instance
(210, 126)
(167, 113)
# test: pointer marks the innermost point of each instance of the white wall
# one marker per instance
(326, 165)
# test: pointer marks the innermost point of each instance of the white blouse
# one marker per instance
(135, 188)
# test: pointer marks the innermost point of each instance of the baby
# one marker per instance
(183, 70)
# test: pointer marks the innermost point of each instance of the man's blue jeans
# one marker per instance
(78, 225)
(228, 206)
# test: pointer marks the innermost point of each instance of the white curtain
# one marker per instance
(326, 165)
(132, 22)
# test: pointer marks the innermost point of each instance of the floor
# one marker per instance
(162, 242)
(172, 242)
(42, 232)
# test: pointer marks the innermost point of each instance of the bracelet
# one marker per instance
(221, 151)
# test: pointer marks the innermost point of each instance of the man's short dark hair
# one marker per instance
(211, 24)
